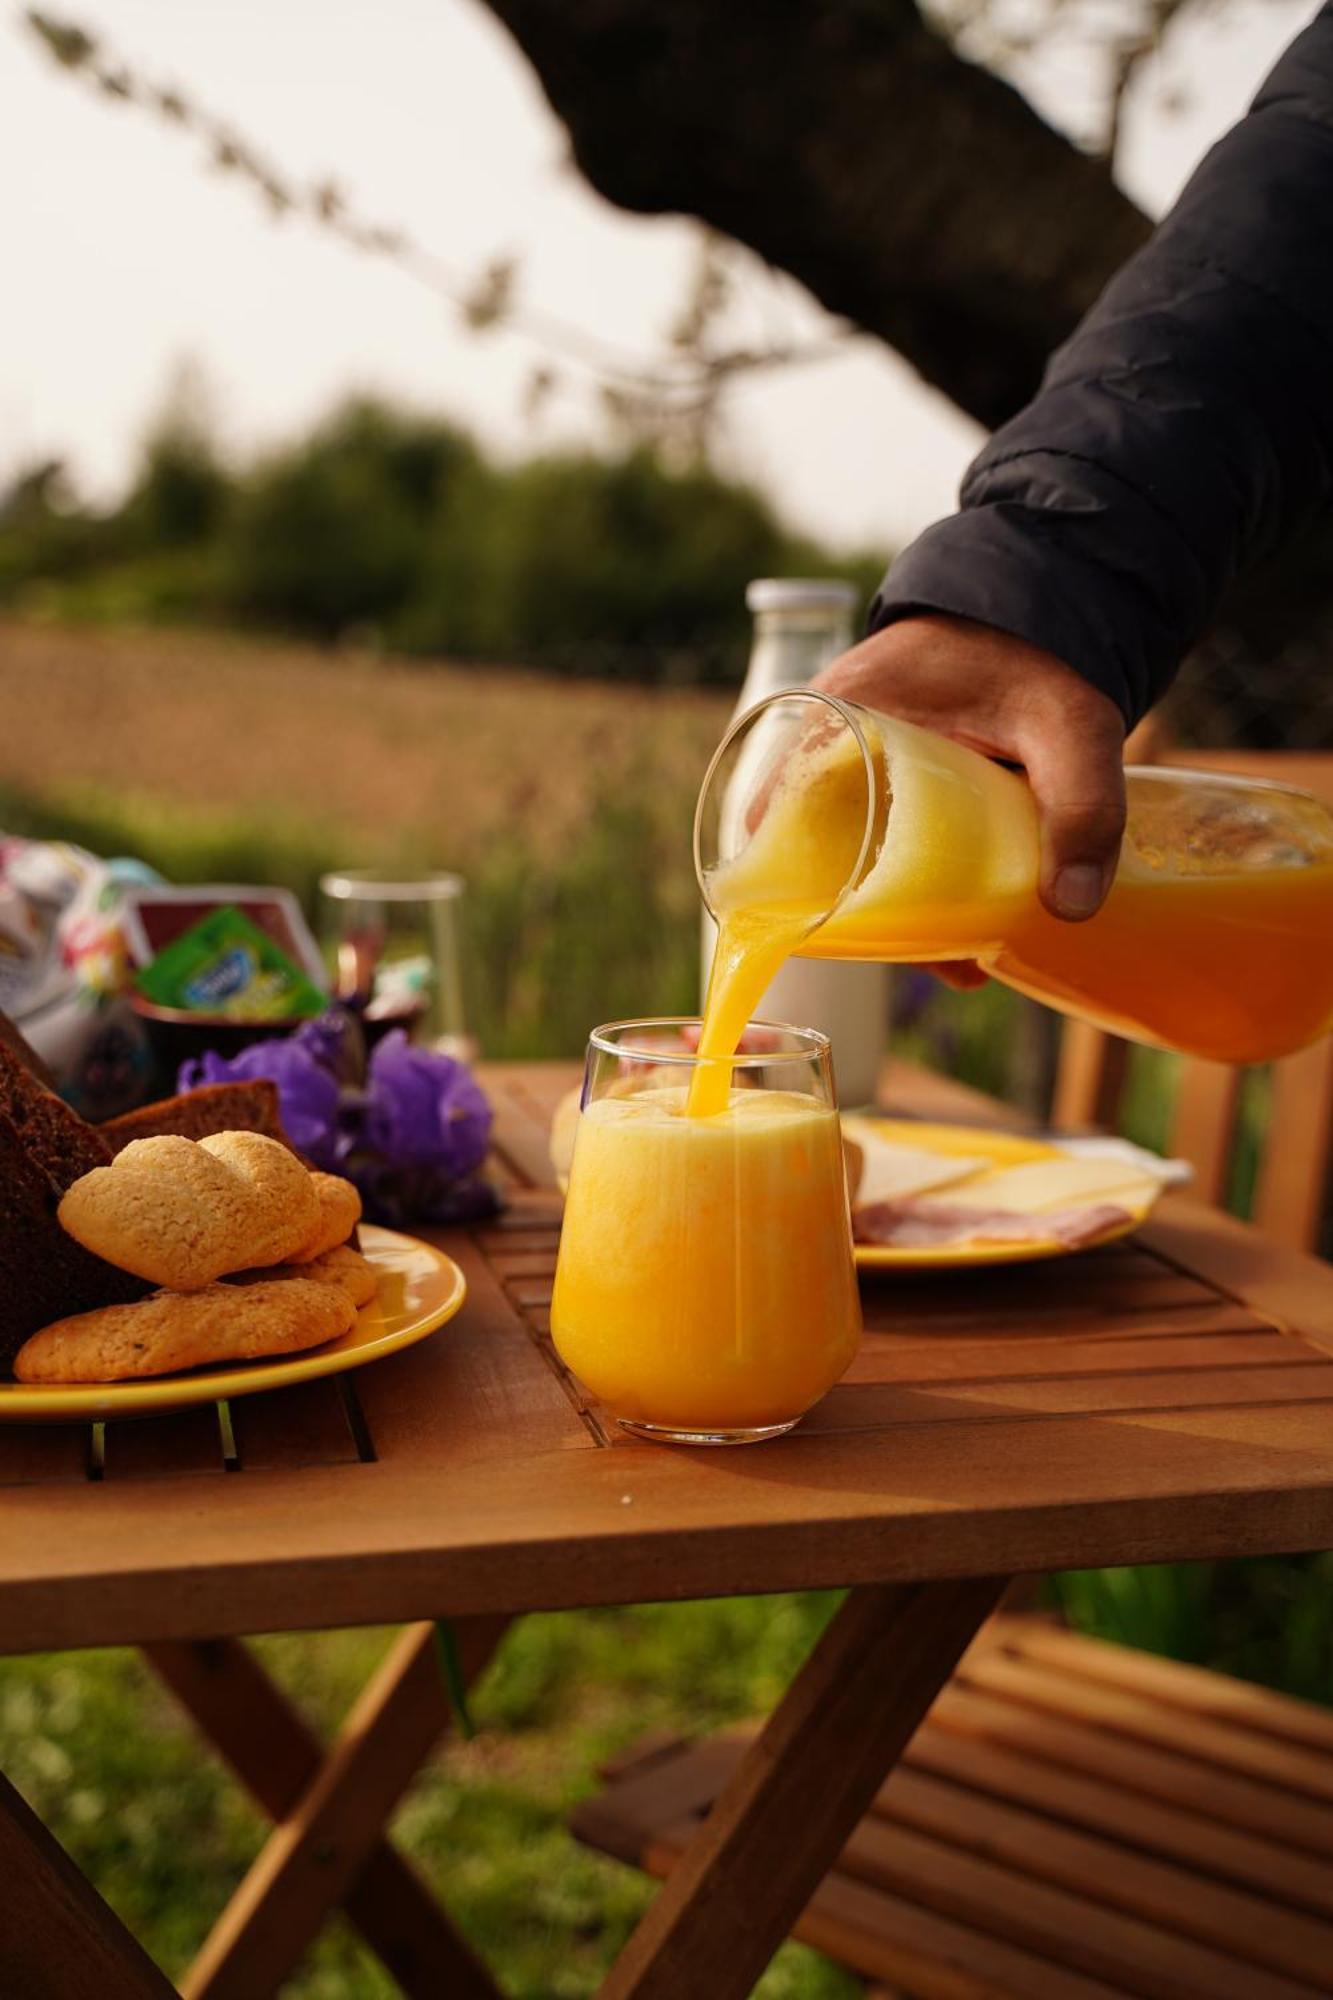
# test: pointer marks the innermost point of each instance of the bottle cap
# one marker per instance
(800, 593)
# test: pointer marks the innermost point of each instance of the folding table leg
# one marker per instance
(789, 1808)
(329, 1846)
(58, 1939)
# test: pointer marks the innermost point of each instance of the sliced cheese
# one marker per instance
(1062, 1183)
(884, 1170)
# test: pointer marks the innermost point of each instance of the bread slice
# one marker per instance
(201, 1114)
(44, 1148)
(23, 1051)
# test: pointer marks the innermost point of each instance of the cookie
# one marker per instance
(340, 1266)
(288, 1211)
(339, 1213)
(181, 1214)
(169, 1331)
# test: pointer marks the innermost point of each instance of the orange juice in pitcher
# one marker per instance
(863, 837)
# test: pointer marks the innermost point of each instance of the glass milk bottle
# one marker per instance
(800, 624)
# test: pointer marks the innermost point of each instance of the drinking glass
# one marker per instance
(395, 947)
(705, 1290)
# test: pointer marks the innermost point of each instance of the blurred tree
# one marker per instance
(329, 534)
(180, 494)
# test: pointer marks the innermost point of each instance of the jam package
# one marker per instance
(226, 966)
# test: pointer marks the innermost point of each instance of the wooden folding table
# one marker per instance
(1165, 1398)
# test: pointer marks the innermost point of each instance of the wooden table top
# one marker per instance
(1166, 1398)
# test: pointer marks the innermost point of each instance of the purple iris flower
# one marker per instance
(424, 1109)
(308, 1094)
(413, 1137)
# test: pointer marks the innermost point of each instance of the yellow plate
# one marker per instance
(1001, 1149)
(419, 1289)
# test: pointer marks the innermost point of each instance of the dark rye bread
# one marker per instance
(12, 1039)
(44, 1274)
(200, 1114)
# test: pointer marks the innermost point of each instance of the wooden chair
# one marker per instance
(1074, 1820)
(1292, 1183)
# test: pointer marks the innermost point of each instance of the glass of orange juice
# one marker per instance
(705, 1291)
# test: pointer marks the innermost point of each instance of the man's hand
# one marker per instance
(1009, 700)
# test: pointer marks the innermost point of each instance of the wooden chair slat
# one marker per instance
(1233, 1798)
(1203, 1124)
(1196, 1690)
(1223, 1917)
(1294, 1170)
(1141, 1824)
(1055, 1923)
(888, 1937)
(1123, 1711)
(1090, 1078)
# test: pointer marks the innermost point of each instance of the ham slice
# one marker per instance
(918, 1225)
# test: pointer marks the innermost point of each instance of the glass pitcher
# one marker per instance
(874, 839)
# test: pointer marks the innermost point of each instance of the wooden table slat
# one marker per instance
(477, 1389)
(882, 1360)
(186, 1442)
(304, 1425)
(875, 1406)
(31, 1454)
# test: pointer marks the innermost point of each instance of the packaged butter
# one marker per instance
(226, 966)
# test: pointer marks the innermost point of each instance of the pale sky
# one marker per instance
(123, 256)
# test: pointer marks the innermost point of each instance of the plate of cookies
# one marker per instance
(189, 1257)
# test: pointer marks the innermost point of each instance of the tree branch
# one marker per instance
(846, 142)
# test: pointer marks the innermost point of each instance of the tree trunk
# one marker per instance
(844, 141)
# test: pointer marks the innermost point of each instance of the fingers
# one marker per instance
(1074, 767)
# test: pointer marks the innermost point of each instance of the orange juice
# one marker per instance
(1216, 939)
(705, 1286)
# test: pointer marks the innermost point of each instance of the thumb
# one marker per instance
(1074, 768)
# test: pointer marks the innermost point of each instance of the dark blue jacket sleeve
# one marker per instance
(1184, 431)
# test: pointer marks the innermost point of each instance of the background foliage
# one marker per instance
(397, 529)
